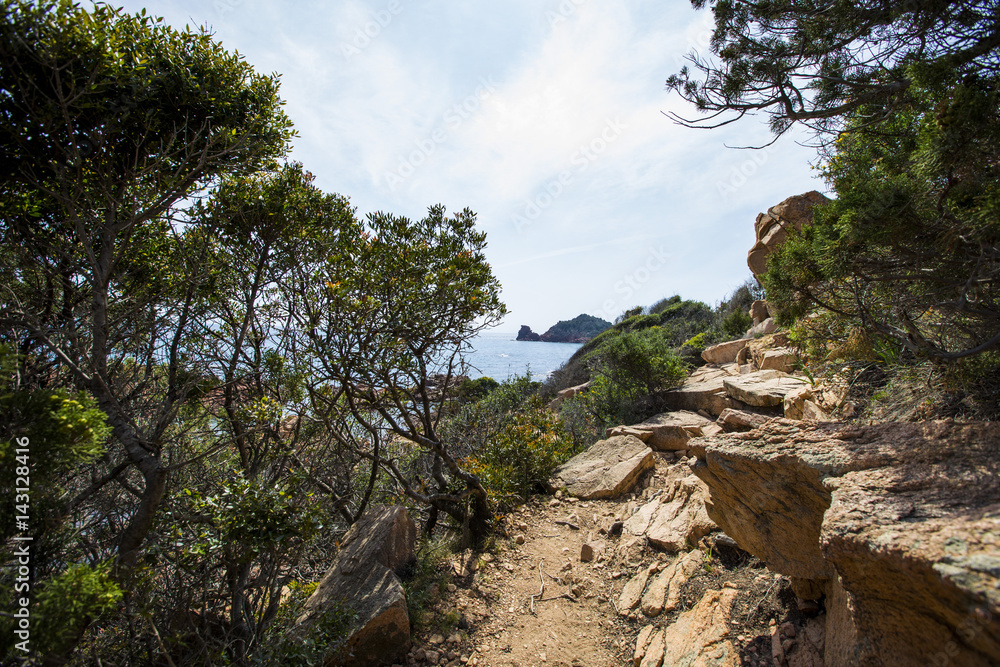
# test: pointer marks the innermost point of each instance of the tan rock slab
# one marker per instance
(677, 518)
(664, 592)
(763, 388)
(699, 637)
(783, 359)
(739, 420)
(899, 522)
(632, 592)
(608, 469)
(703, 390)
(670, 431)
(723, 353)
(654, 651)
(380, 544)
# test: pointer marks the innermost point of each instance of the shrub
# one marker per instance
(628, 368)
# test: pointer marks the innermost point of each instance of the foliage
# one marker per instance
(68, 603)
(510, 440)
(818, 63)
(909, 249)
(325, 637)
(628, 368)
(424, 583)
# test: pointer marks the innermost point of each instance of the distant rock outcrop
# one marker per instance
(527, 334)
(580, 329)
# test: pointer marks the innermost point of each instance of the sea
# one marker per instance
(499, 355)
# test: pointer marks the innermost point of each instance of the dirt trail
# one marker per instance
(513, 619)
(503, 616)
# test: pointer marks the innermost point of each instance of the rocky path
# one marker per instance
(572, 586)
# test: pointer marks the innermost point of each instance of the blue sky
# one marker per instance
(545, 117)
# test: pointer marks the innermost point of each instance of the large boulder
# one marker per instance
(723, 353)
(608, 469)
(762, 388)
(669, 431)
(897, 524)
(703, 390)
(364, 580)
(772, 227)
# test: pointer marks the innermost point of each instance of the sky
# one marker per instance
(547, 118)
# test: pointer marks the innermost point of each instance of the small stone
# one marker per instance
(554, 503)
(523, 527)
(455, 639)
(436, 639)
(559, 493)
(578, 590)
(519, 539)
(788, 629)
(452, 588)
(586, 553)
(432, 657)
(419, 654)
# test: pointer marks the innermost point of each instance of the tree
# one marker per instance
(386, 323)
(108, 124)
(910, 249)
(816, 62)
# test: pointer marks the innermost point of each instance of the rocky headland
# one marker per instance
(580, 329)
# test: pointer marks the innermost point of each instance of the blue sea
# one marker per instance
(498, 355)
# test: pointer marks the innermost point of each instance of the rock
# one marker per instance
(758, 311)
(768, 326)
(633, 590)
(653, 654)
(702, 390)
(664, 592)
(519, 539)
(608, 469)
(737, 420)
(812, 412)
(364, 572)
(783, 359)
(668, 431)
(772, 227)
(763, 388)
(566, 394)
(896, 523)
(586, 553)
(699, 636)
(436, 639)
(794, 401)
(525, 333)
(629, 430)
(641, 643)
(677, 518)
(723, 353)
(580, 329)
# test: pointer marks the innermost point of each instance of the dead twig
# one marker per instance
(541, 588)
(572, 526)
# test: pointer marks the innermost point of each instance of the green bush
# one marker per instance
(627, 369)
(510, 440)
